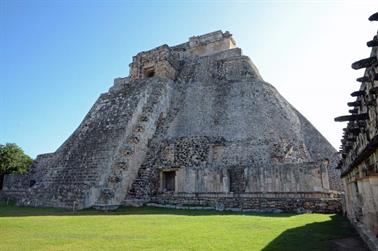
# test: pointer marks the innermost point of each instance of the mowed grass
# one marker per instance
(165, 229)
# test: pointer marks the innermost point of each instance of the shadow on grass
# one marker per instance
(336, 234)
(15, 211)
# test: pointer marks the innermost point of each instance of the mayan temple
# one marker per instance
(193, 125)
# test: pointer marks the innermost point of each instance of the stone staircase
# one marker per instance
(133, 147)
(138, 188)
(143, 184)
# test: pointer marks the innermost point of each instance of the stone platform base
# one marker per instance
(316, 202)
(106, 207)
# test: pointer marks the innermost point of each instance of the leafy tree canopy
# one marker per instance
(13, 159)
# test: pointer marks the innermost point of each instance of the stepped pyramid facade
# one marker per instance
(193, 125)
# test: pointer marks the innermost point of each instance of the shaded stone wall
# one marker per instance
(359, 150)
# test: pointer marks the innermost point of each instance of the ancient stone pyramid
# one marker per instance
(193, 124)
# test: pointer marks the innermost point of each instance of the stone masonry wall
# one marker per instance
(359, 149)
(252, 202)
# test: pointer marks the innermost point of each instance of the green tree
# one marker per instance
(13, 159)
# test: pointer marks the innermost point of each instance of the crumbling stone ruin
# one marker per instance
(193, 125)
(359, 150)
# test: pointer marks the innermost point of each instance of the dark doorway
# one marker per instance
(169, 181)
(237, 180)
(32, 183)
(149, 72)
(1, 181)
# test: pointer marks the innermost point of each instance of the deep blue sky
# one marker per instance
(57, 57)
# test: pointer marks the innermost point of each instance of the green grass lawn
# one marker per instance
(165, 229)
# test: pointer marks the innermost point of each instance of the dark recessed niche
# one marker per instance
(149, 72)
(32, 183)
(1, 181)
(169, 181)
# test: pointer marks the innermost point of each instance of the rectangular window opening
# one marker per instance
(149, 72)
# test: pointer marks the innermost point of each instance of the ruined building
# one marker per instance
(192, 125)
(359, 150)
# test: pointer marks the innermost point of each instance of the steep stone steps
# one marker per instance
(133, 148)
(142, 187)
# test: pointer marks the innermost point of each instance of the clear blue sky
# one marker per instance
(57, 57)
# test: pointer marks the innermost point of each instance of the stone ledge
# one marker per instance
(246, 202)
(106, 207)
(299, 195)
(231, 209)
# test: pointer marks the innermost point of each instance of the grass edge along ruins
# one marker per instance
(193, 125)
